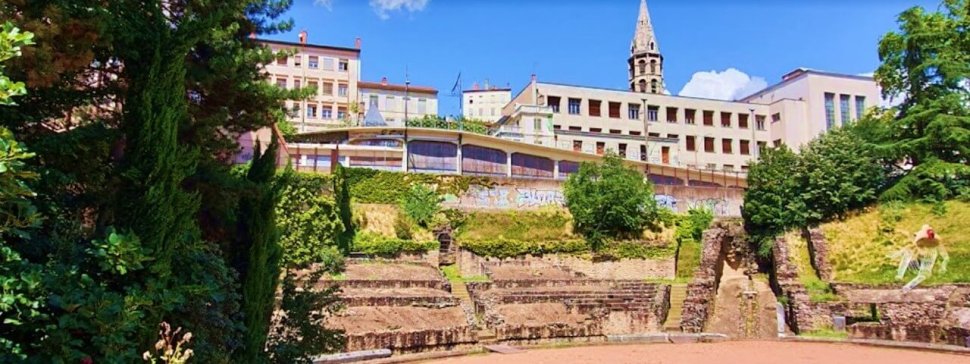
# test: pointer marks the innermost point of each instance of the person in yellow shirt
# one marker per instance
(927, 247)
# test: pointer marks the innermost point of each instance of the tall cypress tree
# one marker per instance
(257, 256)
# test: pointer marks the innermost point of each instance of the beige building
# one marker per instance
(644, 124)
(484, 103)
(389, 99)
(333, 71)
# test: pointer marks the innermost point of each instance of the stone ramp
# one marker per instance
(745, 308)
(678, 294)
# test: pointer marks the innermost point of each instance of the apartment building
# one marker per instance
(642, 123)
(333, 71)
(486, 103)
(396, 102)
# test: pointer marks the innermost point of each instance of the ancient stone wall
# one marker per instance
(471, 264)
(412, 341)
(702, 289)
(819, 251)
(507, 193)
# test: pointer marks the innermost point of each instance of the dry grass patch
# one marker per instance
(860, 247)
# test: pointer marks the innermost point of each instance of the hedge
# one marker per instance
(376, 244)
(502, 247)
(386, 187)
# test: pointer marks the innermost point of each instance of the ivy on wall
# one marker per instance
(385, 187)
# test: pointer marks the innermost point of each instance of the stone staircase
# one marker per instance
(678, 293)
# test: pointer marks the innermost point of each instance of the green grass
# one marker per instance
(860, 247)
(826, 334)
(542, 224)
(818, 290)
(688, 259)
(452, 273)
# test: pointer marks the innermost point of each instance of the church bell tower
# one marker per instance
(646, 62)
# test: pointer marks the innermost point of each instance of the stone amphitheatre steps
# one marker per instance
(678, 293)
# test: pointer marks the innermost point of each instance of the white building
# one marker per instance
(390, 98)
(484, 104)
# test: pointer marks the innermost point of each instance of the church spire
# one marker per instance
(646, 63)
(644, 39)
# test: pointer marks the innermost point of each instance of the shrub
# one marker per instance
(632, 249)
(421, 204)
(609, 200)
(502, 247)
(403, 228)
(379, 245)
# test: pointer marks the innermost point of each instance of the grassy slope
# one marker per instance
(818, 290)
(532, 225)
(859, 254)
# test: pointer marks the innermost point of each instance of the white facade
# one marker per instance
(390, 101)
(485, 105)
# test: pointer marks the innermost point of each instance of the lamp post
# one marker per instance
(754, 145)
(646, 134)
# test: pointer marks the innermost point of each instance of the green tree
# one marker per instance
(609, 200)
(341, 195)
(259, 254)
(420, 204)
(772, 202)
(838, 173)
(298, 332)
(927, 63)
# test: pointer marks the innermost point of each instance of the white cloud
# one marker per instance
(384, 7)
(730, 84)
(324, 3)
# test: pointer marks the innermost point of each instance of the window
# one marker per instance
(327, 64)
(343, 66)
(556, 127)
(311, 111)
(623, 150)
(761, 146)
(615, 110)
(708, 118)
(777, 143)
(745, 147)
(390, 103)
(653, 63)
(314, 62)
(577, 145)
(712, 166)
(653, 86)
(575, 128)
(689, 115)
(594, 107)
(328, 88)
(759, 122)
(298, 60)
(673, 136)
(633, 132)
(726, 119)
(642, 67)
(374, 100)
(595, 130)
(743, 121)
(280, 82)
(829, 110)
(671, 114)
(690, 143)
(342, 90)
(844, 108)
(708, 144)
(633, 111)
(296, 84)
(726, 146)
(652, 112)
(537, 124)
(574, 106)
(654, 135)
(729, 168)
(554, 103)
(860, 106)
(422, 106)
(341, 113)
(326, 112)
(313, 85)
(600, 146)
(776, 117)
(616, 131)
(643, 153)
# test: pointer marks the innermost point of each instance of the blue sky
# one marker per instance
(587, 42)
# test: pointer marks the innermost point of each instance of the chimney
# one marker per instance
(357, 43)
(303, 36)
(533, 78)
(384, 81)
(475, 86)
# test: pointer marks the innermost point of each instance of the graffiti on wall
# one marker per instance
(517, 196)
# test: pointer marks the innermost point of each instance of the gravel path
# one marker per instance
(744, 352)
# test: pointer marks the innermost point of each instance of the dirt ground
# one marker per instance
(383, 318)
(746, 352)
(394, 292)
(728, 317)
(401, 271)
